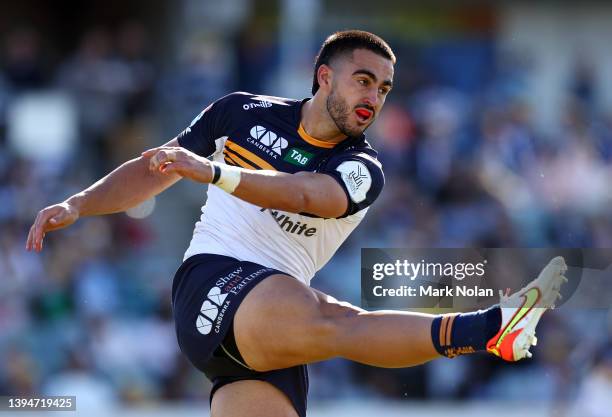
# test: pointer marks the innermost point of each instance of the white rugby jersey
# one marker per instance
(263, 132)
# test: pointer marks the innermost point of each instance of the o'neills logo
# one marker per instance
(262, 104)
(267, 141)
(452, 352)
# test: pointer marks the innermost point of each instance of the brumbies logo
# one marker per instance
(210, 310)
(357, 179)
(267, 141)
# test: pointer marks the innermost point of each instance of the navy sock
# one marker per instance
(457, 334)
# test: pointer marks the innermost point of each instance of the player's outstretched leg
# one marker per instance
(282, 323)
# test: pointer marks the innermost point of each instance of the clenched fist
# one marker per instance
(180, 161)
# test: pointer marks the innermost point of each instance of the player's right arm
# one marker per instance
(125, 187)
(131, 183)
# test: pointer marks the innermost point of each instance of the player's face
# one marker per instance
(359, 88)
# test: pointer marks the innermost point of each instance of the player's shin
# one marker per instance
(461, 333)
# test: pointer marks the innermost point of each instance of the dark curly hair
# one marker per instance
(344, 42)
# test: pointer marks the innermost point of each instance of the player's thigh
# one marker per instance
(330, 306)
(251, 398)
(283, 323)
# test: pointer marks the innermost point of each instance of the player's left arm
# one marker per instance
(339, 190)
(303, 192)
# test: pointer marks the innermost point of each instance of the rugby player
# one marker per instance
(292, 179)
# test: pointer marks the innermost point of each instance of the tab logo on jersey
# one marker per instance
(297, 156)
(357, 179)
(267, 141)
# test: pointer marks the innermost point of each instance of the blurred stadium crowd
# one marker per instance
(465, 167)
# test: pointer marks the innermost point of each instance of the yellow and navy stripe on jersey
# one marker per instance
(264, 132)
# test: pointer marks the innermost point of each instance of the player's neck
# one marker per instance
(317, 122)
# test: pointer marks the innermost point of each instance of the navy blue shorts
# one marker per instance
(206, 292)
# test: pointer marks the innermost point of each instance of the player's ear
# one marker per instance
(324, 77)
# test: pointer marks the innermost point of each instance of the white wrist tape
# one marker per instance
(225, 177)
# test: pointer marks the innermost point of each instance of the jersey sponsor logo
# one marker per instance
(209, 311)
(298, 157)
(267, 141)
(357, 179)
(262, 104)
(224, 280)
(216, 304)
(292, 226)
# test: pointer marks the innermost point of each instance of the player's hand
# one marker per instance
(50, 218)
(179, 161)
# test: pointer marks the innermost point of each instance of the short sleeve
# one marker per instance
(212, 123)
(360, 175)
